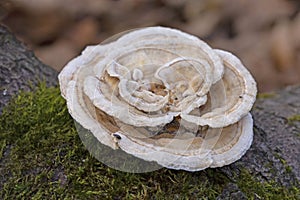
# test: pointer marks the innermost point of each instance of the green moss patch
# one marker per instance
(266, 95)
(42, 157)
(47, 159)
(266, 190)
(294, 118)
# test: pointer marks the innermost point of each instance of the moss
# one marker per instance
(293, 118)
(291, 121)
(47, 160)
(255, 189)
(2, 147)
(266, 95)
(288, 168)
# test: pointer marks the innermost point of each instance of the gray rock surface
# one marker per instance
(19, 68)
(275, 151)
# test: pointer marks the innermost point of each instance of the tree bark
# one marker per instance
(276, 144)
(19, 68)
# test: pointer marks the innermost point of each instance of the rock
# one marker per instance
(19, 68)
(232, 192)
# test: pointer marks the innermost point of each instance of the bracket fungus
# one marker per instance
(165, 96)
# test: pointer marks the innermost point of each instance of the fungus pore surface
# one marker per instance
(163, 95)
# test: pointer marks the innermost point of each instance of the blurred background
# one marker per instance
(264, 34)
